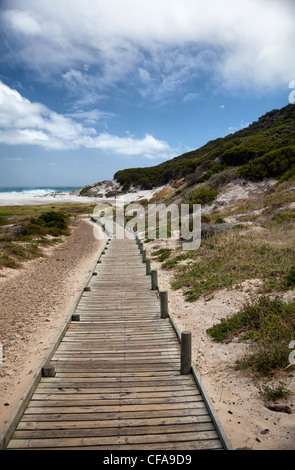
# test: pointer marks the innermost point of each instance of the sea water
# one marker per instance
(38, 195)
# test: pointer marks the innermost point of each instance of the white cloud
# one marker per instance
(147, 147)
(90, 117)
(157, 45)
(23, 22)
(191, 97)
(24, 122)
(14, 159)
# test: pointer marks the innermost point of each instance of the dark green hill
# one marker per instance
(264, 149)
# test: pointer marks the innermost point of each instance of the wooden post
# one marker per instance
(144, 256)
(154, 279)
(186, 352)
(48, 370)
(148, 267)
(76, 317)
(164, 304)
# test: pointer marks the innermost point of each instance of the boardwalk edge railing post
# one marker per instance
(154, 279)
(148, 267)
(164, 303)
(186, 353)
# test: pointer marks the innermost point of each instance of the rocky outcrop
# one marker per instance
(107, 188)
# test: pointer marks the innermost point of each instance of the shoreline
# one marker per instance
(36, 300)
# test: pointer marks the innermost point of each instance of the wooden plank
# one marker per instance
(84, 424)
(111, 416)
(112, 393)
(44, 388)
(116, 430)
(185, 406)
(113, 440)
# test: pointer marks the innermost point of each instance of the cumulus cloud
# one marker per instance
(24, 122)
(158, 45)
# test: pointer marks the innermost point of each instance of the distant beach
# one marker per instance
(40, 195)
(16, 196)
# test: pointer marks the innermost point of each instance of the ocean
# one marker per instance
(38, 195)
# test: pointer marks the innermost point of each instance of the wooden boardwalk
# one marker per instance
(117, 383)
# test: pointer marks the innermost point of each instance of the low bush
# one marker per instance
(201, 195)
(290, 278)
(276, 163)
(50, 223)
(270, 324)
(162, 254)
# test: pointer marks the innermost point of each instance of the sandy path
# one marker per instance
(35, 303)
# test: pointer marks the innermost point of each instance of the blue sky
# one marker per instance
(88, 88)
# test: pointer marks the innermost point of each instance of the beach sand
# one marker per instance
(36, 300)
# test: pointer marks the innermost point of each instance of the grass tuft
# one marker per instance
(270, 324)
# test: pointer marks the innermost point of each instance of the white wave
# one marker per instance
(38, 196)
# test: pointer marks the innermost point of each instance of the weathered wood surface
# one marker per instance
(118, 383)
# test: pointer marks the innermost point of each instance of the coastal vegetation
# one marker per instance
(256, 252)
(25, 230)
(270, 323)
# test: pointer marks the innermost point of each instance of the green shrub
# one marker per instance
(3, 220)
(169, 264)
(290, 278)
(49, 223)
(203, 195)
(162, 254)
(288, 175)
(274, 393)
(239, 155)
(85, 190)
(274, 164)
(220, 179)
(270, 323)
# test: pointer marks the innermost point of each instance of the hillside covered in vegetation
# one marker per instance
(265, 149)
